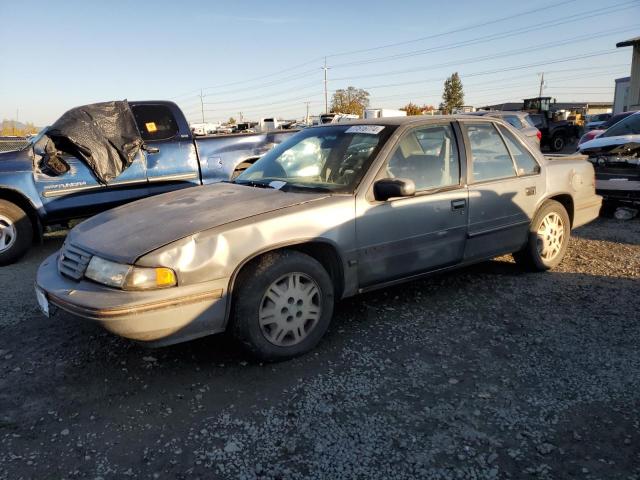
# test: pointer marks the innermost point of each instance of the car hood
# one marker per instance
(16, 161)
(603, 142)
(126, 233)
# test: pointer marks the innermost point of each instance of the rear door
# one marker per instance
(505, 183)
(172, 160)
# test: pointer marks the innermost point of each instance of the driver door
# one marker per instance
(406, 236)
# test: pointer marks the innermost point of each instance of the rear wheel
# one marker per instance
(283, 305)
(558, 142)
(548, 238)
(16, 232)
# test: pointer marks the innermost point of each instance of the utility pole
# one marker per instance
(326, 99)
(306, 118)
(202, 105)
(541, 84)
(241, 117)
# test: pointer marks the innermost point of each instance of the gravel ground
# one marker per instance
(485, 373)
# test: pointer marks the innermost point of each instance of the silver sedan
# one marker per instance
(333, 211)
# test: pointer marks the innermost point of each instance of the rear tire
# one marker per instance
(558, 142)
(282, 305)
(548, 238)
(16, 232)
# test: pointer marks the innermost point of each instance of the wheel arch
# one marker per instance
(15, 197)
(322, 250)
(565, 199)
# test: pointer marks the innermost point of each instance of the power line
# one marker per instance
(495, 36)
(449, 32)
(506, 69)
(603, 11)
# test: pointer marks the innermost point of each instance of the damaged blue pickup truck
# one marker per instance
(162, 156)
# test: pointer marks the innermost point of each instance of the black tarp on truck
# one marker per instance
(102, 135)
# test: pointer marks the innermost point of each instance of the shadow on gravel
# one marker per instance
(611, 230)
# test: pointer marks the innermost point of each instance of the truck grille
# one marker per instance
(73, 261)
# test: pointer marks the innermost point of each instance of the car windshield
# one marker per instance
(332, 158)
(615, 119)
(628, 126)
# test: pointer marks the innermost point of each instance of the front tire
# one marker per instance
(282, 305)
(16, 232)
(548, 238)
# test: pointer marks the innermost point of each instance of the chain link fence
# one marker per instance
(12, 143)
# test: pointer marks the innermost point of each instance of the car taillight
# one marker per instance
(539, 135)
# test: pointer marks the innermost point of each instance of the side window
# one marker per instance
(515, 121)
(525, 162)
(491, 159)
(155, 122)
(428, 156)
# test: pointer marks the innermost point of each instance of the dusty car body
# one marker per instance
(485, 191)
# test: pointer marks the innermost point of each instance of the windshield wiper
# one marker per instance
(253, 183)
(311, 188)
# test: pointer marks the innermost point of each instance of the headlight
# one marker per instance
(129, 277)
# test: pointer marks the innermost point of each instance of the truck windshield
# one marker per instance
(332, 158)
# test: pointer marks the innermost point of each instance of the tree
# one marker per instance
(232, 121)
(452, 96)
(352, 100)
(412, 109)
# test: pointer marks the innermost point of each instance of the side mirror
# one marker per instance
(150, 149)
(387, 188)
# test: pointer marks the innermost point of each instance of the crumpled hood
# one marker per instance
(602, 142)
(126, 233)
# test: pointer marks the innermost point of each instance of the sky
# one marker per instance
(259, 59)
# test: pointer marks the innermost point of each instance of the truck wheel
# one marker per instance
(282, 305)
(548, 238)
(558, 142)
(16, 232)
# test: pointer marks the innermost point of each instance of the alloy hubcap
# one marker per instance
(7, 233)
(550, 236)
(290, 309)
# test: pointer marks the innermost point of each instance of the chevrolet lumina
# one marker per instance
(333, 211)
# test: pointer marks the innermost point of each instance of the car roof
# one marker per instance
(500, 113)
(403, 120)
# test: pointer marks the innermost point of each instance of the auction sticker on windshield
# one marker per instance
(43, 302)
(370, 129)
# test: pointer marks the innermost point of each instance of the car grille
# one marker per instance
(73, 261)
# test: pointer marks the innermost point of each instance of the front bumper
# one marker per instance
(156, 317)
(619, 189)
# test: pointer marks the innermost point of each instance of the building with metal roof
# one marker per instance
(633, 97)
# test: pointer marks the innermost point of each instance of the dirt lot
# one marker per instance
(485, 373)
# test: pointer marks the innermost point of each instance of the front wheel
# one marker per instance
(16, 232)
(548, 238)
(282, 305)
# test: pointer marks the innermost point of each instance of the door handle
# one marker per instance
(458, 204)
(150, 149)
(530, 190)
